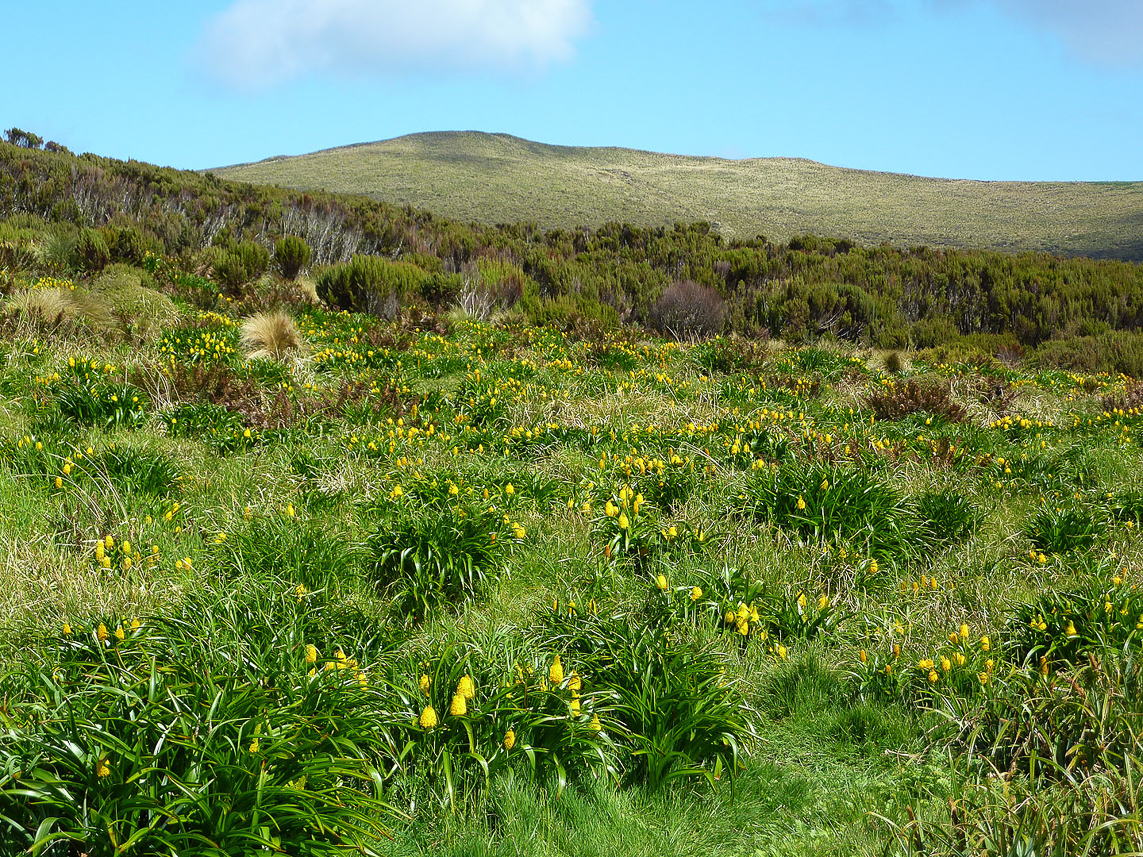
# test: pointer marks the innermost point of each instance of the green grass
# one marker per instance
(496, 178)
(783, 624)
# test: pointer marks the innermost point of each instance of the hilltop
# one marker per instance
(498, 178)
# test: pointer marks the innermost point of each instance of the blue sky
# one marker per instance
(979, 89)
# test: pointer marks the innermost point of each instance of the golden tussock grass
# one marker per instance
(271, 334)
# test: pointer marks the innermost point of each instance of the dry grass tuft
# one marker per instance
(271, 334)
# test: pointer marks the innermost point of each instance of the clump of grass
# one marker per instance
(272, 335)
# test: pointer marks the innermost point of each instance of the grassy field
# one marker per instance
(444, 586)
(496, 178)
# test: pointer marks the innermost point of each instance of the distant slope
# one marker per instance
(496, 178)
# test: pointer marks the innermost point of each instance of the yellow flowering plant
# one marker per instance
(627, 525)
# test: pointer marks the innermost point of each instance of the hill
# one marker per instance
(497, 178)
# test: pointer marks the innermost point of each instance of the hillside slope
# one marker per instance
(496, 178)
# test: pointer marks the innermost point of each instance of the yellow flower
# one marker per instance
(623, 522)
(782, 652)
(574, 706)
(696, 593)
(100, 552)
(801, 504)
(119, 633)
(575, 683)
(109, 542)
(985, 644)
(933, 676)
(509, 740)
(1071, 631)
(459, 706)
(672, 532)
(823, 602)
(466, 688)
(425, 683)
(66, 629)
(954, 638)
(595, 725)
(311, 654)
(103, 767)
(661, 582)
(556, 671)
(428, 718)
(946, 664)
(518, 532)
(254, 745)
(509, 490)
(864, 657)
(610, 509)
(964, 631)
(101, 632)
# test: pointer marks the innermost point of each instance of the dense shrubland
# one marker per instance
(88, 212)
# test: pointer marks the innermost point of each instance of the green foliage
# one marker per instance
(91, 251)
(371, 285)
(291, 256)
(1117, 351)
(1063, 530)
(840, 506)
(101, 403)
(241, 263)
(436, 556)
(1069, 626)
(947, 514)
(678, 712)
(153, 738)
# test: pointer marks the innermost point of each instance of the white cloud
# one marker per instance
(255, 44)
(1108, 32)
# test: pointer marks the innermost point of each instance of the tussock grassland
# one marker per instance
(496, 178)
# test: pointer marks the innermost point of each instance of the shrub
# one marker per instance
(291, 256)
(1118, 351)
(371, 285)
(126, 244)
(270, 334)
(687, 309)
(91, 251)
(242, 263)
(897, 401)
(934, 331)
